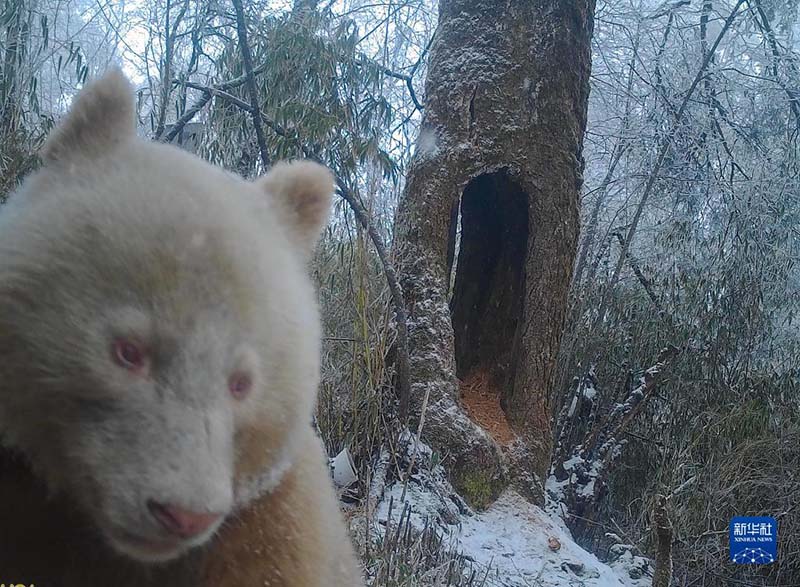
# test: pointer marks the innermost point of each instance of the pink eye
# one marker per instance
(128, 355)
(239, 385)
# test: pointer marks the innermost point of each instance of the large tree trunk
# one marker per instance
(499, 154)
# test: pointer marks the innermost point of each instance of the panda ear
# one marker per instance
(101, 117)
(302, 192)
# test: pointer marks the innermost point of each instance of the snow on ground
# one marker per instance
(513, 543)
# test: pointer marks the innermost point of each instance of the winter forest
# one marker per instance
(560, 284)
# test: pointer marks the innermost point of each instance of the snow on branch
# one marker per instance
(580, 473)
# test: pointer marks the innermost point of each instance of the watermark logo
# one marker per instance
(753, 541)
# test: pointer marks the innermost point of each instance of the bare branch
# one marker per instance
(171, 31)
(247, 58)
(188, 115)
(648, 287)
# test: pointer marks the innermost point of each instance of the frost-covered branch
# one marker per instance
(589, 463)
(662, 153)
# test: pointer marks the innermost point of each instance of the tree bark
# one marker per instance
(663, 531)
(501, 141)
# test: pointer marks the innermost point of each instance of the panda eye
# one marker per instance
(128, 355)
(239, 385)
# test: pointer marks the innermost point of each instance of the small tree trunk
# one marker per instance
(663, 530)
(500, 148)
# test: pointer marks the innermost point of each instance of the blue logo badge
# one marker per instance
(754, 541)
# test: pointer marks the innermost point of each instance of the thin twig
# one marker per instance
(648, 287)
(662, 527)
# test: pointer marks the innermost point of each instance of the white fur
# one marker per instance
(119, 237)
(253, 487)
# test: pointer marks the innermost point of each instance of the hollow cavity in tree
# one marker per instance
(487, 259)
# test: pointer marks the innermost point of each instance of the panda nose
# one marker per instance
(180, 521)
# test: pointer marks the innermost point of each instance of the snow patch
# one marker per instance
(513, 543)
(427, 145)
(572, 407)
(516, 544)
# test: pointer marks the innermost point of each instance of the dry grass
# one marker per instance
(407, 557)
